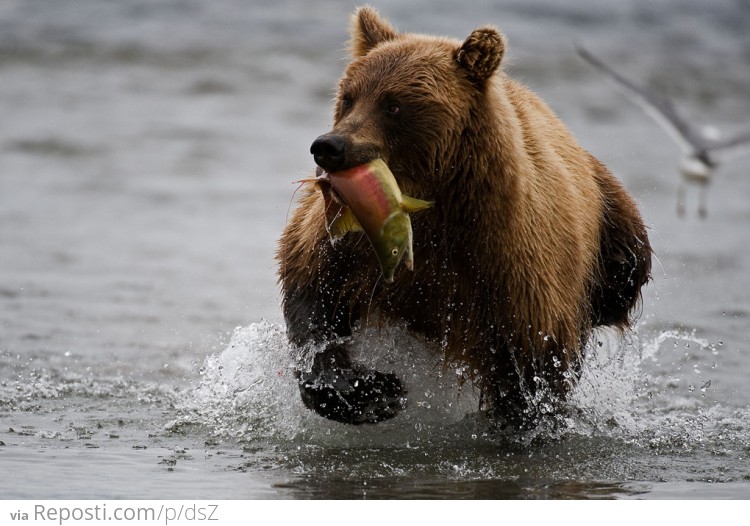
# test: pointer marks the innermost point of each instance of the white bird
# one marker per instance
(703, 152)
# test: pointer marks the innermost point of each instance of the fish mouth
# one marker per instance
(323, 178)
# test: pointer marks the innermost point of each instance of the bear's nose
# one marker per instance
(328, 151)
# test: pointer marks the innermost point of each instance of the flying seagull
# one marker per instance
(702, 153)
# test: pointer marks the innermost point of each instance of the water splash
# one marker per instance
(627, 392)
(31, 388)
(601, 402)
(248, 392)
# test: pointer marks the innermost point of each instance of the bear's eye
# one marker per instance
(346, 102)
(393, 108)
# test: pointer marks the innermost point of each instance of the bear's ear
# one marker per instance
(481, 53)
(368, 30)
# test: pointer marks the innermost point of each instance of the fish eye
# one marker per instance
(394, 252)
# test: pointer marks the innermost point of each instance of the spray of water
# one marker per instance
(248, 392)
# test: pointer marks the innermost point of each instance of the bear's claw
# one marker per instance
(353, 396)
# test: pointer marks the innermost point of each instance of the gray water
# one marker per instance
(147, 154)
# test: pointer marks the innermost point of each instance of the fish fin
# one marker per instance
(344, 222)
(412, 204)
(409, 257)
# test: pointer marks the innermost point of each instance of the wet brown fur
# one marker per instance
(531, 242)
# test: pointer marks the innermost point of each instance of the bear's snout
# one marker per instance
(329, 152)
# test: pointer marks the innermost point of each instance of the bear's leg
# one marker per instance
(525, 395)
(625, 257)
(330, 384)
(341, 391)
(509, 407)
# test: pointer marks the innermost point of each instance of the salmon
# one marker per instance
(367, 199)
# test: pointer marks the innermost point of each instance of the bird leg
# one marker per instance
(681, 200)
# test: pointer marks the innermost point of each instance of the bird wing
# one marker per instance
(655, 106)
(732, 147)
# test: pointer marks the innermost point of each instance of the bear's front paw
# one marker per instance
(353, 396)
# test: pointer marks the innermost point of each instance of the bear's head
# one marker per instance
(407, 99)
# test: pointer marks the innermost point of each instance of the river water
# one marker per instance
(147, 154)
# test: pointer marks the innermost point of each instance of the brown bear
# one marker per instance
(530, 244)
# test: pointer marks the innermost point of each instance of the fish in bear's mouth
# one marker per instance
(367, 198)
